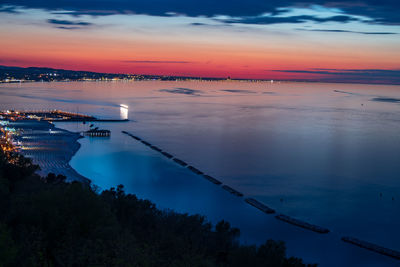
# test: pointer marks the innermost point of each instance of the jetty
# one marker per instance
(232, 191)
(302, 224)
(370, 246)
(259, 205)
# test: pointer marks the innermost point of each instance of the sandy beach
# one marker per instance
(49, 147)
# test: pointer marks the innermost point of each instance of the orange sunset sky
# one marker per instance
(299, 42)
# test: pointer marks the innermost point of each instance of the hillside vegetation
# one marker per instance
(47, 222)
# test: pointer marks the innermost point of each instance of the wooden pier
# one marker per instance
(97, 133)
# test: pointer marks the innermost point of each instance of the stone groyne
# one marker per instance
(370, 246)
(253, 202)
(232, 191)
(302, 224)
(259, 205)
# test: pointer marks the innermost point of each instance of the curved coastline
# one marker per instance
(50, 147)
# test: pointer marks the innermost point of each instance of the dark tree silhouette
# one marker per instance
(47, 222)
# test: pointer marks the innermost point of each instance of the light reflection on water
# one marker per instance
(319, 152)
(123, 112)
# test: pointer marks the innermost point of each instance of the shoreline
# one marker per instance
(49, 147)
(45, 147)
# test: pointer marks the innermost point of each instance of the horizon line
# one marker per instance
(220, 78)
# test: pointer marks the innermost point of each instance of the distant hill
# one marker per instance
(16, 74)
(50, 74)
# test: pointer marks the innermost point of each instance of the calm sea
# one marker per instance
(328, 154)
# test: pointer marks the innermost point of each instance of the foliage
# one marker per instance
(47, 222)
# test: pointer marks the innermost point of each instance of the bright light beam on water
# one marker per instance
(123, 110)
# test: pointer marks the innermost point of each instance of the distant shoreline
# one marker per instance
(14, 74)
(205, 80)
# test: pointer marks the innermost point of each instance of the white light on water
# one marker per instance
(123, 110)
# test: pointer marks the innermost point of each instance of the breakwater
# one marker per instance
(232, 191)
(180, 162)
(212, 179)
(370, 246)
(264, 208)
(259, 205)
(302, 224)
(184, 164)
(253, 202)
(195, 170)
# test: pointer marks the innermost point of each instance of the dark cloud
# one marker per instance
(68, 22)
(199, 24)
(156, 61)
(184, 91)
(381, 72)
(211, 25)
(8, 9)
(68, 28)
(290, 19)
(380, 12)
(346, 31)
(347, 93)
(238, 91)
(386, 99)
(350, 75)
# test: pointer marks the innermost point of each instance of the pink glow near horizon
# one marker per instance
(188, 51)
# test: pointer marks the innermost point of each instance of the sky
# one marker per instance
(334, 41)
